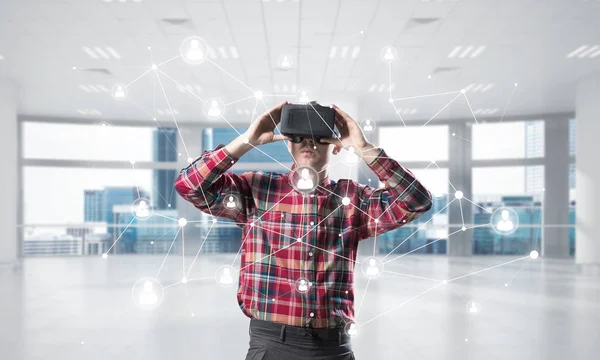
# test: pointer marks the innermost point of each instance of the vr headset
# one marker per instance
(311, 120)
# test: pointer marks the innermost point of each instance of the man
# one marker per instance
(299, 248)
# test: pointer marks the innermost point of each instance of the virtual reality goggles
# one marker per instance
(311, 120)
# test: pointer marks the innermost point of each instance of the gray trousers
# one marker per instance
(271, 341)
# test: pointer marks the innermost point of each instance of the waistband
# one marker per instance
(281, 332)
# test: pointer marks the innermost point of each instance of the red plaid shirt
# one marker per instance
(275, 217)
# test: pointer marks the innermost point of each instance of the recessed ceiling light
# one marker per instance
(585, 51)
(464, 51)
(98, 52)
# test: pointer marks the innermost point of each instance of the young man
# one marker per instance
(299, 246)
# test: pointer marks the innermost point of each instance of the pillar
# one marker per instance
(587, 109)
(555, 214)
(460, 175)
(10, 180)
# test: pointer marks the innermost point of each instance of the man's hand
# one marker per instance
(262, 130)
(350, 133)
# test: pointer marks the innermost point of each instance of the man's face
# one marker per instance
(309, 152)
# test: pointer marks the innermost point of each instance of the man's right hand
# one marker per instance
(262, 130)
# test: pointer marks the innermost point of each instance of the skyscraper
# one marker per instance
(93, 206)
(164, 146)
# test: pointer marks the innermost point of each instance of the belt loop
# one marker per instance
(282, 334)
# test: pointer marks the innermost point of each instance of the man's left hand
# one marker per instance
(350, 133)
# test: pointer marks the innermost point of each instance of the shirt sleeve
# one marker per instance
(402, 200)
(209, 187)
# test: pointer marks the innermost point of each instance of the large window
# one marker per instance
(415, 143)
(510, 140)
(100, 141)
(429, 233)
(496, 187)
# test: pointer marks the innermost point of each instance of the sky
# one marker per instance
(55, 195)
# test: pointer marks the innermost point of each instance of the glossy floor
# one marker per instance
(82, 308)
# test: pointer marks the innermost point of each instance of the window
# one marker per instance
(87, 142)
(415, 143)
(495, 187)
(75, 211)
(510, 140)
(432, 238)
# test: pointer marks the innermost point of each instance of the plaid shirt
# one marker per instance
(289, 236)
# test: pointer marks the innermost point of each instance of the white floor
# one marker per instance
(547, 311)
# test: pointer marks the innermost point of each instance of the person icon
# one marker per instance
(388, 54)
(368, 127)
(230, 203)
(304, 97)
(120, 92)
(148, 296)
(505, 224)
(285, 62)
(214, 110)
(473, 309)
(372, 270)
(226, 278)
(142, 210)
(302, 285)
(194, 53)
(305, 182)
(352, 157)
(352, 330)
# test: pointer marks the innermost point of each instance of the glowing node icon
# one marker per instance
(231, 202)
(534, 254)
(193, 50)
(103, 124)
(141, 209)
(224, 275)
(190, 160)
(459, 194)
(213, 108)
(367, 125)
(147, 293)
(473, 308)
(119, 91)
(184, 280)
(372, 267)
(182, 222)
(346, 201)
(304, 96)
(104, 256)
(258, 95)
(154, 67)
(304, 179)
(302, 285)
(351, 329)
(285, 62)
(504, 220)
(389, 54)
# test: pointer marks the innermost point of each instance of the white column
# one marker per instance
(555, 239)
(587, 247)
(10, 177)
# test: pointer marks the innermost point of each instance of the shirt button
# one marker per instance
(312, 314)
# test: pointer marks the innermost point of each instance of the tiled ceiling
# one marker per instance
(334, 47)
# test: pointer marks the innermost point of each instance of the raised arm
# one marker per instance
(206, 183)
(403, 198)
